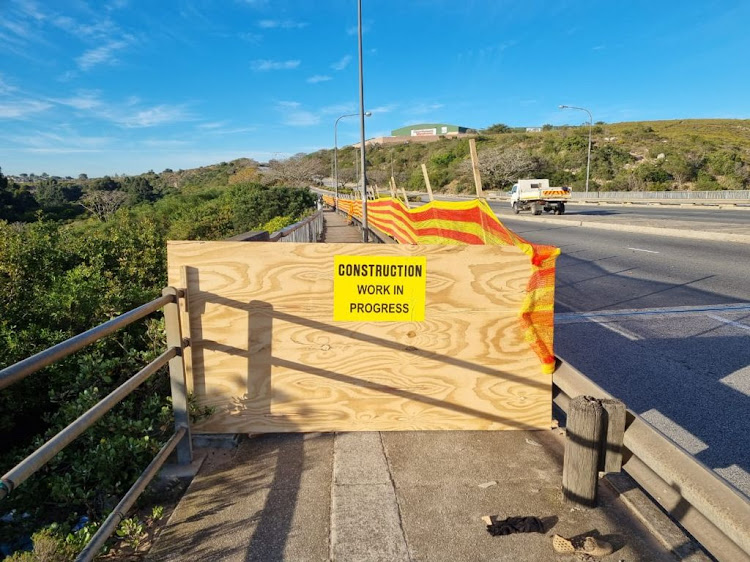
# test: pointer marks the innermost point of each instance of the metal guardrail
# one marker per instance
(706, 505)
(180, 440)
(723, 195)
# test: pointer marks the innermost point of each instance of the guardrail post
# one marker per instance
(184, 448)
(582, 444)
(610, 459)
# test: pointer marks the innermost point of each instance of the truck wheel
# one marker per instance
(561, 209)
(514, 205)
(535, 210)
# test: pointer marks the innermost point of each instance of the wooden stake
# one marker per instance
(375, 188)
(475, 167)
(582, 445)
(427, 182)
(406, 199)
(392, 185)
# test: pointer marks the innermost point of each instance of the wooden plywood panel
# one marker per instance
(267, 354)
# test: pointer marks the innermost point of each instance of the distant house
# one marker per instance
(533, 129)
(429, 129)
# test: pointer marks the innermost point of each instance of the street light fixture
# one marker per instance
(588, 157)
(335, 155)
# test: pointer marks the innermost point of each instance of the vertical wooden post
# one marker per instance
(582, 446)
(375, 190)
(406, 199)
(177, 375)
(427, 182)
(392, 185)
(475, 167)
(610, 459)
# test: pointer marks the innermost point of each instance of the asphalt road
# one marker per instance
(664, 324)
(651, 212)
(702, 214)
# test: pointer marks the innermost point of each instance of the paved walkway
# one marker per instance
(389, 497)
(339, 229)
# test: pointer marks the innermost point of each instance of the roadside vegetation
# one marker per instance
(73, 254)
(705, 154)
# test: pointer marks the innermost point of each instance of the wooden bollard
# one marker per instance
(582, 448)
(610, 459)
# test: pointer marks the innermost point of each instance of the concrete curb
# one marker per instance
(673, 232)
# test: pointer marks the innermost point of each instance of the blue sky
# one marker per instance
(125, 86)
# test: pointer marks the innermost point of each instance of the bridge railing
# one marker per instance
(309, 229)
(722, 195)
(180, 439)
(705, 504)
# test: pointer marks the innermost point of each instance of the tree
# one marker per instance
(103, 204)
(502, 166)
(497, 128)
(139, 189)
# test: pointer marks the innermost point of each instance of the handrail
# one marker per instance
(709, 507)
(22, 369)
(118, 513)
(179, 440)
(36, 460)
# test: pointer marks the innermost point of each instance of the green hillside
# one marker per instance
(692, 154)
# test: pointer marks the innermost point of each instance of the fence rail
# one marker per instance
(180, 439)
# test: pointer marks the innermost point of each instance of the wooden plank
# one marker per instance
(475, 167)
(266, 353)
(427, 182)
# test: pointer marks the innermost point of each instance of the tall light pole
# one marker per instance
(335, 155)
(591, 123)
(365, 235)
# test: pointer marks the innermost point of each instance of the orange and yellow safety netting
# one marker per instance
(473, 222)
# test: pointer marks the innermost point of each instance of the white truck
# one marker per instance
(536, 195)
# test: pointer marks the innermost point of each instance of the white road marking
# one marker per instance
(575, 317)
(617, 330)
(739, 325)
(642, 250)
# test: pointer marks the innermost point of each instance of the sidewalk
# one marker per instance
(338, 229)
(389, 497)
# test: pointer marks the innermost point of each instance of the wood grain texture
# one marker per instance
(267, 354)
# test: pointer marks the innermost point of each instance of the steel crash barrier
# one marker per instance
(706, 505)
(307, 230)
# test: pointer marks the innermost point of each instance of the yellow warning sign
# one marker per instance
(379, 288)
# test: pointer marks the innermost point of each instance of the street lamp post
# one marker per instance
(588, 157)
(363, 172)
(335, 156)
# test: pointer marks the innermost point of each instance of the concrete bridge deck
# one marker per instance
(391, 497)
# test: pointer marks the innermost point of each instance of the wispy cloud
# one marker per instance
(423, 108)
(383, 108)
(292, 114)
(281, 24)
(342, 63)
(318, 78)
(352, 30)
(263, 65)
(129, 114)
(213, 125)
(599, 48)
(157, 115)
(338, 108)
(22, 109)
(5, 88)
(105, 54)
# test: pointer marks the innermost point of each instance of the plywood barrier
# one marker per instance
(267, 353)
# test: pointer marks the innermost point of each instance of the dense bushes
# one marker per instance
(57, 280)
